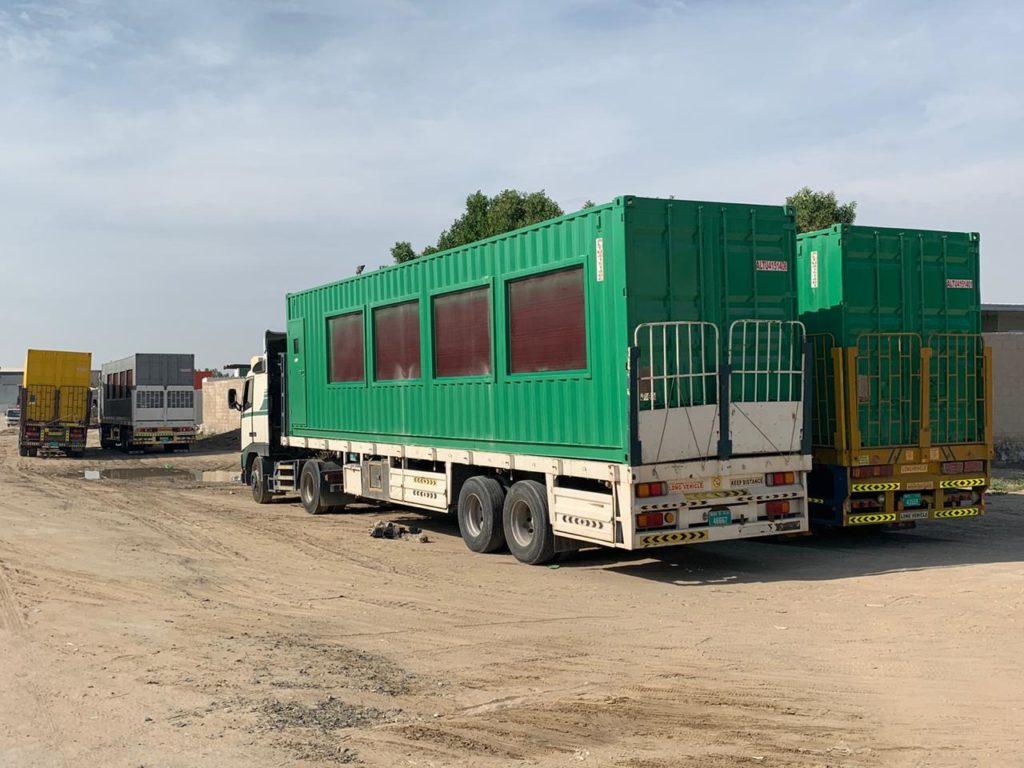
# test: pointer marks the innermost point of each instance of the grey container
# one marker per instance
(151, 369)
(119, 378)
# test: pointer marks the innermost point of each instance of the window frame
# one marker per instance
(506, 322)
(489, 283)
(370, 341)
(329, 349)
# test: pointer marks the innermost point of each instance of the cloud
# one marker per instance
(180, 166)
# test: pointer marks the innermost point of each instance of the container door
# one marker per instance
(297, 371)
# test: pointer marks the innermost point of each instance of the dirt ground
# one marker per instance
(172, 622)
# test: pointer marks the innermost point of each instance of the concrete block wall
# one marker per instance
(1007, 386)
(217, 417)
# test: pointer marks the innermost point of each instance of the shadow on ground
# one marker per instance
(998, 537)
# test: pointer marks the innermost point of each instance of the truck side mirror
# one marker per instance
(233, 400)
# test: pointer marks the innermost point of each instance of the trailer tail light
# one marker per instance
(777, 508)
(650, 490)
(779, 478)
(881, 470)
(952, 467)
(650, 520)
(974, 466)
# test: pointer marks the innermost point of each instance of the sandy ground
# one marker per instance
(174, 623)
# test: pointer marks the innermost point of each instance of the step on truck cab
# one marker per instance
(54, 403)
(631, 376)
(148, 400)
(902, 414)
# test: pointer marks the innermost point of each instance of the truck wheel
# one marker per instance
(22, 450)
(309, 489)
(480, 514)
(527, 530)
(258, 483)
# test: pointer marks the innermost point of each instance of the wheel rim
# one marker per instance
(257, 481)
(307, 490)
(474, 517)
(522, 524)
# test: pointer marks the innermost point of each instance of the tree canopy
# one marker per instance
(485, 217)
(817, 210)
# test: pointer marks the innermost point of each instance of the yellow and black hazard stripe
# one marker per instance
(771, 496)
(958, 512)
(858, 487)
(813, 500)
(704, 495)
(679, 537)
(967, 482)
(872, 518)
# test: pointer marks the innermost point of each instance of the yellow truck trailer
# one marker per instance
(55, 402)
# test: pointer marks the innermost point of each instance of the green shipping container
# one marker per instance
(523, 342)
(891, 293)
(855, 280)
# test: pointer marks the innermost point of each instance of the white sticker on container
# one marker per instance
(951, 283)
(765, 265)
(814, 269)
(599, 249)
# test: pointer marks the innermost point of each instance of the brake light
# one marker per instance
(952, 467)
(777, 508)
(650, 490)
(779, 478)
(974, 466)
(881, 470)
(650, 520)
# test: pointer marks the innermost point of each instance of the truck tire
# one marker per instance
(258, 483)
(481, 502)
(525, 520)
(310, 489)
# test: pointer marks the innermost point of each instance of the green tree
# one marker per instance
(817, 210)
(485, 217)
(588, 204)
(402, 252)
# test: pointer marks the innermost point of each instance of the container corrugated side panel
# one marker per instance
(570, 415)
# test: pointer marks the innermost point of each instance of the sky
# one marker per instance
(169, 169)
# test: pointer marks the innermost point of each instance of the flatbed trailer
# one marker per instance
(902, 406)
(630, 376)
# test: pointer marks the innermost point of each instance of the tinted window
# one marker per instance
(396, 331)
(547, 322)
(462, 333)
(346, 347)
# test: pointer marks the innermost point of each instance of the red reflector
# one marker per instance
(647, 490)
(777, 508)
(884, 470)
(952, 468)
(974, 466)
(650, 520)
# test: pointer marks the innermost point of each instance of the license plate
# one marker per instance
(720, 517)
(165, 439)
(912, 500)
(54, 445)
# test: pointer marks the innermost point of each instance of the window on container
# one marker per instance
(547, 322)
(462, 333)
(345, 334)
(396, 341)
